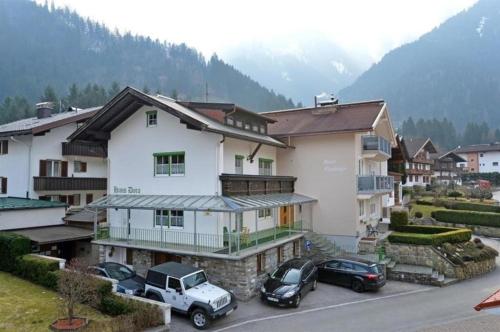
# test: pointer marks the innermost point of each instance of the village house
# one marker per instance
(396, 168)
(446, 167)
(197, 183)
(479, 158)
(338, 153)
(418, 166)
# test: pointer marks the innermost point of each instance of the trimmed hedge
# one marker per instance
(424, 229)
(11, 247)
(38, 270)
(472, 207)
(398, 218)
(453, 236)
(467, 217)
(424, 202)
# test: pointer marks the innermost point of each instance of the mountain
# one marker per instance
(298, 66)
(44, 46)
(452, 71)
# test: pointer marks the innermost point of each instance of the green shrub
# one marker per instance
(114, 305)
(398, 218)
(439, 202)
(418, 214)
(424, 202)
(12, 246)
(455, 194)
(37, 270)
(453, 236)
(424, 229)
(467, 217)
(478, 207)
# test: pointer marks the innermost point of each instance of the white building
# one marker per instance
(36, 161)
(480, 158)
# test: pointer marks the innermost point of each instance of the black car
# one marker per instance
(128, 281)
(288, 284)
(356, 273)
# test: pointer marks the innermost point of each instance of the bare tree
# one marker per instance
(76, 285)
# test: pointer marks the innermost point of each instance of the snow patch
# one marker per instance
(339, 66)
(480, 26)
(285, 76)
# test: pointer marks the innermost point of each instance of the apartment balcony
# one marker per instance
(48, 183)
(416, 171)
(241, 184)
(84, 149)
(375, 184)
(376, 147)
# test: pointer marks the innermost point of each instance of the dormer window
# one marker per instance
(151, 118)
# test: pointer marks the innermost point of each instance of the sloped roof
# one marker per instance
(478, 148)
(18, 203)
(34, 125)
(414, 145)
(325, 119)
(443, 155)
(55, 234)
(130, 100)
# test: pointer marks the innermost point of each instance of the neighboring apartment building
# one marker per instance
(418, 166)
(197, 183)
(480, 158)
(339, 155)
(37, 161)
(446, 167)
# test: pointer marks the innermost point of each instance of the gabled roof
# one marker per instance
(448, 155)
(225, 107)
(415, 145)
(129, 100)
(34, 125)
(352, 117)
(478, 148)
(19, 203)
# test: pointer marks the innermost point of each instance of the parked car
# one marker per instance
(290, 282)
(128, 281)
(187, 289)
(358, 274)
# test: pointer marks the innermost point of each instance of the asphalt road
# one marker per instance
(396, 307)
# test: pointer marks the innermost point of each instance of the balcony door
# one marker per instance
(286, 216)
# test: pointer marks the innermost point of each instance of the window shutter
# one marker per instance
(83, 167)
(4, 185)
(5, 147)
(89, 198)
(64, 168)
(43, 168)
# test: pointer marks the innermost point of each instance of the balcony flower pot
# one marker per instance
(63, 324)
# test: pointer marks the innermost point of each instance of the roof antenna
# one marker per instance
(206, 92)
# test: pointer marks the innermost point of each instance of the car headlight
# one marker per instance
(263, 289)
(289, 294)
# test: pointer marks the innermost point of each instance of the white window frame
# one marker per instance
(165, 218)
(238, 169)
(151, 118)
(361, 205)
(79, 168)
(265, 166)
(265, 213)
(50, 168)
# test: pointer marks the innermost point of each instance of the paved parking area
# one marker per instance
(325, 296)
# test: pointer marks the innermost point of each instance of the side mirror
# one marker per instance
(178, 290)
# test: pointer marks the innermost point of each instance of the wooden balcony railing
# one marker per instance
(47, 183)
(238, 184)
(84, 149)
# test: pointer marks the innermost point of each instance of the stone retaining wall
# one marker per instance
(477, 230)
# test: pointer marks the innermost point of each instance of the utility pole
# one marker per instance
(206, 92)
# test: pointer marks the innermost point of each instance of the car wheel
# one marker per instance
(314, 285)
(357, 286)
(154, 297)
(200, 319)
(297, 301)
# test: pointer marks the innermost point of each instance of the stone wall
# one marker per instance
(473, 269)
(142, 260)
(477, 230)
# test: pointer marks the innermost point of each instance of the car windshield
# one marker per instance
(375, 269)
(194, 280)
(119, 272)
(287, 275)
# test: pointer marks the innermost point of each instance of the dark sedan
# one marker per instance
(356, 273)
(128, 281)
(290, 282)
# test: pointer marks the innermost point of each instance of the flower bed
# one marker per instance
(429, 235)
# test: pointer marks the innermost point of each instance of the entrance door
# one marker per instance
(286, 216)
(163, 257)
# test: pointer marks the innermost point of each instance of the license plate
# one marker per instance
(229, 312)
(272, 299)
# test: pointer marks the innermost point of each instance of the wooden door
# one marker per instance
(286, 215)
(163, 257)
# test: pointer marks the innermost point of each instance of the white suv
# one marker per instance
(188, 291)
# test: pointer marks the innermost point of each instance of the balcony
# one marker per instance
(375, 184)
(84, 149)
(240, 184)
(376, 147)
(47, 183)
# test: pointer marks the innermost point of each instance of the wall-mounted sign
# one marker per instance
(332, 166)
(126, 190)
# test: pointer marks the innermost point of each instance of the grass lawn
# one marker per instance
(425, 209)
(27, 307)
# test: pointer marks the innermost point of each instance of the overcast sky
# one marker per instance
(371, 27)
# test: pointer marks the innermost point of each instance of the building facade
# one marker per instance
(480, 158)
(446, 168)
(418, 166)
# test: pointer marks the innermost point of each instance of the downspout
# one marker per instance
(29, 164)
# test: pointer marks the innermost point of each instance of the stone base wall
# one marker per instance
(415, 278)
(477, 230)
(142, 260)
(473, 269)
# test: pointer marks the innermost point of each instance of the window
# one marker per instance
(280, 252)
(230, 121)
(4, 147)
(346, 266)
(333, 264)
(151, 118)
(255, 128)
(3, 185)
(265, 166)
(89, 198)
(495, 163)
(129, 260)
(238, 164)
(262, 129)
(239, 124)
(264, 213)
(416, 178)
(80, 166)
(411, 178)
(361, 208)
(169, 218)
(373, 208)
(296, 248)
(261, 263)
(169, 164)
(53, 167)
(481, 155)
(247, 126)
(174, 283)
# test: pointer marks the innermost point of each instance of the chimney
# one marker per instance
(325, 99)
(44, 110)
